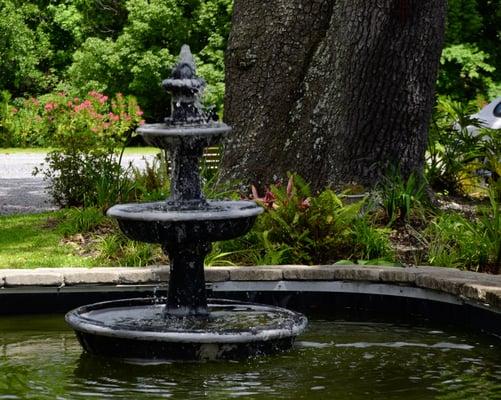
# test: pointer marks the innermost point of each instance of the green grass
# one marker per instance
(26, 241)
(44, 150)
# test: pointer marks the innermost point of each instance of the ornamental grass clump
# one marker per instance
(88, 136)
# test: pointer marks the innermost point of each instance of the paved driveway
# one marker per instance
(21, 192)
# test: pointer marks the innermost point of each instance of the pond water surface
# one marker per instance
(40, 358)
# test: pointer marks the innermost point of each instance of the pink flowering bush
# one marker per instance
(88, 136)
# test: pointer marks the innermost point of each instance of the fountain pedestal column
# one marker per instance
(185, 178)
(186, 296)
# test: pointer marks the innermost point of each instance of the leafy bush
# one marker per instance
(471, 60)
(454, 154)
(152, 183)
(25, 46)
(455, 241)
(87, 134)
(298, 227)
(466, 72)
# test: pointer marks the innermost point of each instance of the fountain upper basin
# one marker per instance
(201, 135)
(162, 222)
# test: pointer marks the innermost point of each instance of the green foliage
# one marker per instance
(24, 47)
(141, 55)
(471, 59)
(110, 46)
(117, 249)
(80, 220)
(464, 21)
(402, 199)
(300, 228)
(466, 73)
(152, 183)
(454, 154)
(490, 223)
(455, 241)
(85, 166)
(372, 242)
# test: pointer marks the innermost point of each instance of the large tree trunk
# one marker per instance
(335, 90)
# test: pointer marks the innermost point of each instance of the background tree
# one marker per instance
(471, 60)
(137, 59)
(335, 91)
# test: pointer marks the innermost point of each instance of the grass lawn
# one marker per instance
(27, 241)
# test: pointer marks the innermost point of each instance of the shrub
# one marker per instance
(455, 241)
(152, 183)
(298, 227)
(84, 168)
(454, 154)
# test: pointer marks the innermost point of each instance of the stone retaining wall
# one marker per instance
(482, 288)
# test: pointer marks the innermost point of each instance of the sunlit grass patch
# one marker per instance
(28, 241)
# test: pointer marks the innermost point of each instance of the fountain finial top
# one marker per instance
(185, 87)
(185, 68)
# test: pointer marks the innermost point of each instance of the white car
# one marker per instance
(488, 117)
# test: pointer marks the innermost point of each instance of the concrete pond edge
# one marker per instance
(478, 288)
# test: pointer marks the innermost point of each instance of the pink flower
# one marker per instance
(14, 110)
(113, 117)
(268, 200)
(50, 106)
(141, 122)
(86, 104)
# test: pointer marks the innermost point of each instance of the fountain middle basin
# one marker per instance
(161, 222)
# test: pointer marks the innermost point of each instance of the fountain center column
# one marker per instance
(187, 296)
(185, 177)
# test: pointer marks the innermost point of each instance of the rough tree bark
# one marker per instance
(335, 90)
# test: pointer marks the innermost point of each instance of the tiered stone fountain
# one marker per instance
(185, 326)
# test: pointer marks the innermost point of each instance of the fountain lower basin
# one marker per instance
(141, 329)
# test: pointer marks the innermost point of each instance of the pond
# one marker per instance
(40, 358)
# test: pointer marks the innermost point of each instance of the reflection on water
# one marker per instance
(41, 359)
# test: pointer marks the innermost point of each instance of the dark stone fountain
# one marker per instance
(184, 326)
